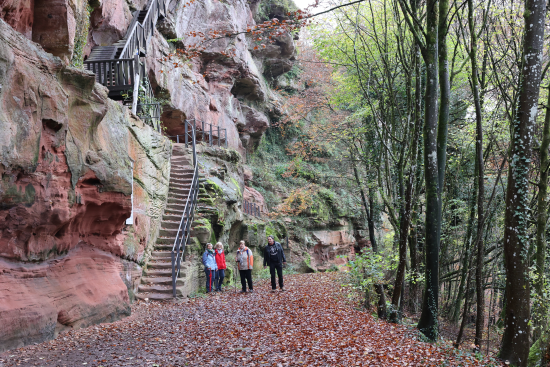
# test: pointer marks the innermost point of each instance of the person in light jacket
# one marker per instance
(210, 267)
(245, 262)
(220, 261)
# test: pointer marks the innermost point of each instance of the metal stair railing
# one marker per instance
(207, 134)
(140, 35)
(251, 209)
(184, 230)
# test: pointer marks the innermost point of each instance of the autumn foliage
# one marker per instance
(312, 324)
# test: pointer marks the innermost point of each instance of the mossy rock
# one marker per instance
(207, 200)
(213, 187)
(276, 229)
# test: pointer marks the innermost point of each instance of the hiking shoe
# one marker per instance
(273, 290)
(251, 291)
(242, 292)
(282, 289)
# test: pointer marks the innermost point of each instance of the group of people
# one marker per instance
(215, 266)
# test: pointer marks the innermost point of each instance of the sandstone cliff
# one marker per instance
(71, 161)
(84, 182)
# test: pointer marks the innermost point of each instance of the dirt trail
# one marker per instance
(311, 324)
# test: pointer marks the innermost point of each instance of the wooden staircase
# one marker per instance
(156, 283)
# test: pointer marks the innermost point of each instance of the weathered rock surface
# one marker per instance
(37, 301)
(74, 167)
(229, 92)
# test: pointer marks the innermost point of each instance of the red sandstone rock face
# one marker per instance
(109, 22)
(19, 14)
(229, 92)
(39, 300)
(67, 258)
(330, 245)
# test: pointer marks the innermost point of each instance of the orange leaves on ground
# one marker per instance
(311, 324)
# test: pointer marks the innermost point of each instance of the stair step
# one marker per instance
(161, 254)
(171, 217)
(184, 193)
(144, 288)
(161, 280)
(177, 200)
(160, 263)
(166, 232)
(177, 167)
(170, 224)
(179, 185)
(154, 296)
(159, 273)
(165, 244)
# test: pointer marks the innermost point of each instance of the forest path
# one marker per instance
(311, 324)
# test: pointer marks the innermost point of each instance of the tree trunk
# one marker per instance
(428, 319)
(541, 309)
(480, 292)
(413, 243)
(445, 97)
(515, 341)
(381, 308)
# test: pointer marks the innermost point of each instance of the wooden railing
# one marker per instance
(116, 74)
(128, 72)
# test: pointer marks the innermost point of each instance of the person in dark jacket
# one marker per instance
(274, 256)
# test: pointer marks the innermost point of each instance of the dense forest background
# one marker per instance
(431, 118)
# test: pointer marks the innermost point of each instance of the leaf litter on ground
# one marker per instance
(311, 324)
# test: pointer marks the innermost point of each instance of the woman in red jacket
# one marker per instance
(220, 260)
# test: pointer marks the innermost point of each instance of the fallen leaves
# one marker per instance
(309, 325)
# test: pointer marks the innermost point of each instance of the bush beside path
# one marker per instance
(311, 324)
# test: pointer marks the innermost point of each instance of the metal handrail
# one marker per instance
(207, 129)
(251, 208)
(184, 230)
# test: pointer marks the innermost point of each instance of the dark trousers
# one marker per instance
(210, 280)
(279, 269)
(246, 276)
(220, 278)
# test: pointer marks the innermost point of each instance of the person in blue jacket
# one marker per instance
(210, 267)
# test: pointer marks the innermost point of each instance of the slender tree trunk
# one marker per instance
(541, 309)
(466, 310)
(480, 292)
(428, 319)
(382, 312)
(515, 340)
(404, 225)
(467, 252)
(413, 243)
(445, 97)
